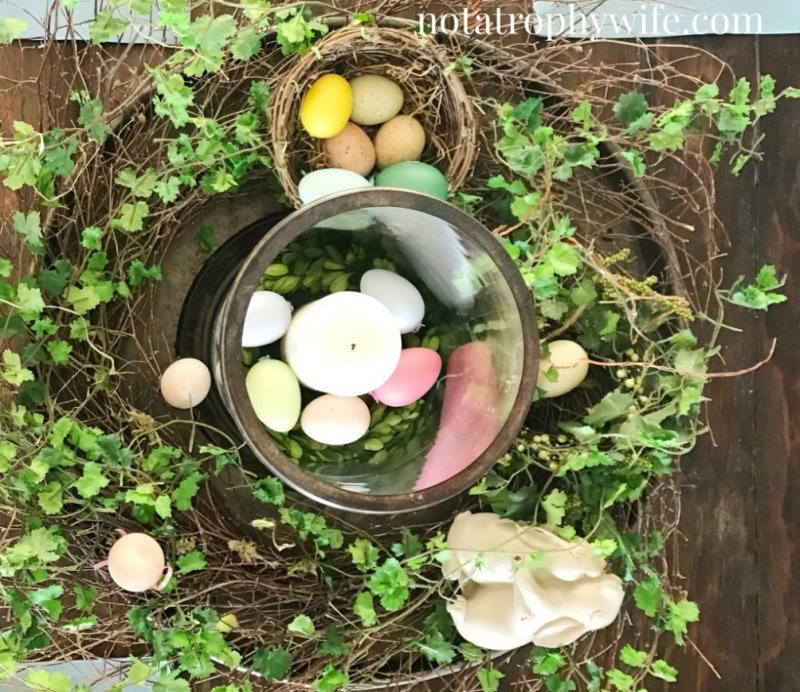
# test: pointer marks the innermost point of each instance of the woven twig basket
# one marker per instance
(434, 95)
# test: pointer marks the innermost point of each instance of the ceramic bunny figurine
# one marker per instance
(505, 604)
(503, 545)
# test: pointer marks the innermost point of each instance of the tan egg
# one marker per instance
(136, 562)
(351, 149)
(376, 99)
(400, 139)
(185, 383)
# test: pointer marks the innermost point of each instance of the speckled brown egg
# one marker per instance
(351, 149)
(400, 139)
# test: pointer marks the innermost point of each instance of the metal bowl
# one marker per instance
(479, 404)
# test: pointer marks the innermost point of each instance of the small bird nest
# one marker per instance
(423, 68)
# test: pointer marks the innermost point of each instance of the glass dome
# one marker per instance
(479, 317)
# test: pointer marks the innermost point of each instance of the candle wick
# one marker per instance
(352, 347)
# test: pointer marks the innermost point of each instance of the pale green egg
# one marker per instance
(274, 394)
(414, 175)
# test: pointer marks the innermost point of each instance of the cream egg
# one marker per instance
(569, 361)
(398, 294)
(267, 319)
(185, 383)
(376, 99)
(136, 562)
(335, 420)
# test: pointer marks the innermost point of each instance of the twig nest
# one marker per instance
(529, 585)
(185, 383)
(563, 369)
(389, 69)
(136, 562)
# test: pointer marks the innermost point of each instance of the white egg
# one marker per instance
(267, 319)
(328, 181)
(185, 383)
(335, 420)
(570, 361)
(398, 294)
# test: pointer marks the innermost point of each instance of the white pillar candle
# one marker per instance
(346, 344)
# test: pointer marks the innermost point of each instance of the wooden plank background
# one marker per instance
(741, 497)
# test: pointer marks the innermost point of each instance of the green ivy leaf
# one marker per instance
(364, 554)
(553, 504)
(564, 259)
(53, 281)
(205, 239)
(192, 561)
(163, 506)
(139, 185)
(246, 43)
(92, 480)
(183, 495)
(630, 107)
(106, 26)
(612, 406)
(302, 624)
(29, 226)
(680, 615)
(333, 645)
(85, 596)
(82, 300)
(138, 272)
(131, 217)
(364, 608)
(332, 679)
(649, 596)
(621, 681)
(173, 98)
(489, 679)
(272, 663)
(547, 662)
(50, 498)
(296, 30)
(436, 648)
(390, 583)
(169, 189)
(11, 28)
(760, 294)
(636, 161)
(269, 490)
(51, 682)
(13, 372)
(632, 657)
(662, 670)
(29, 301)
(59, 351)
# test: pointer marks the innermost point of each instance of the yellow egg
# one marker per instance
(136, 562)
(326, 106)
(351, 149)
(569, 362)
(376, 99)
(400, 139)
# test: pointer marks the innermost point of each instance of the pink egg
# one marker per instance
(415, 374)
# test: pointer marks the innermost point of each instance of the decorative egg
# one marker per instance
(328, 181)
(185, 383)
(326, 107)
(267, 319)
(274, 394)
(570, 361)
(376, 99)
(400, 139)
(351, 149)
(414, 175)
(335, 420)
(416, 373)
(398, 294)
(136, 562)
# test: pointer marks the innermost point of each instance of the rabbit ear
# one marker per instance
(100, 565)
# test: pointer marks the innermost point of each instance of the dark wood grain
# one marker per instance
(777, 400)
